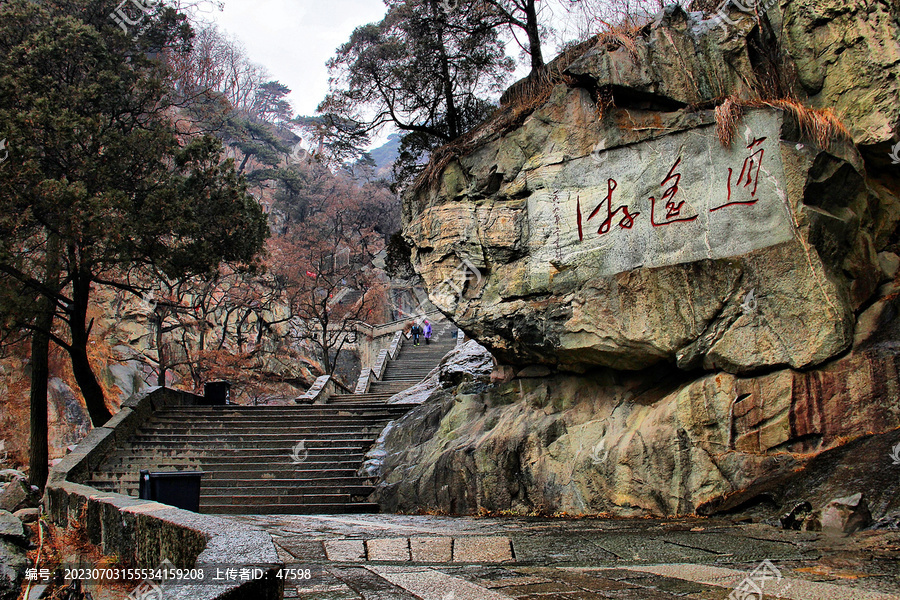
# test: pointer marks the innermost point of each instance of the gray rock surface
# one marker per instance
(657, 443)
(15, 495)
(469, 361)
(11, 527)
(841, 515)
(639, 238)
(679, 319)
(28, 515)
(7, 475)
(13, 563)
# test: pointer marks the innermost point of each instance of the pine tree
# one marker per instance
(97, 164)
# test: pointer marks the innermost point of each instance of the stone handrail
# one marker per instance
(377, 371)
(396, 344)
(322, 390)
(362, 385)
(380, 364)
(374, 331)
(318, 393)
(143, 533)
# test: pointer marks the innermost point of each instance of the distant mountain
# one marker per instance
(384, 156)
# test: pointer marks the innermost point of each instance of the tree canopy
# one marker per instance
(98, 167)
(427, 71)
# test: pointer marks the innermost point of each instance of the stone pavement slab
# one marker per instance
(429, 584)
(302, 550)
(370, 586)
(788, 587)
(345, 550)
(391, 549)
(479, 549)
(397, 557)
(431, 549)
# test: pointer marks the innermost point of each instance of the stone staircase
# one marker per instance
(412, 365)
(298, 459)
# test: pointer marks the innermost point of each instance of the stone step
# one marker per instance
(348, 398)
(217, 458)
(219, 429)
(259, 489)
(249, 445)
(251, 435)
(267, 411)
(208, 483)
(314, 421)
(333, 478)
(283, 509)
(283, 462)
(262, 430)
(305, 473)
(282, 470)
(266, 441)
(395, 387)
(247, 452)
(321, 411)
(290, 499)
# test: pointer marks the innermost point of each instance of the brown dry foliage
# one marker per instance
(624, 36)
(15, 411)
(728, 114)
(60, 544)
(821, 127)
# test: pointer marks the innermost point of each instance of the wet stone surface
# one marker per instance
(388, 557)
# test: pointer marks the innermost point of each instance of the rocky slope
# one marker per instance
(689, 283)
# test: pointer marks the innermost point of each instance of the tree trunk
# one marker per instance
(158, 320)
(447, 80)
(81, 365)
(243, 163)
(534, 37)
(40, 372)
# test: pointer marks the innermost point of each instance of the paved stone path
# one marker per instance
(393, 557)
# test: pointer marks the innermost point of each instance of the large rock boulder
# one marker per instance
(688, 298)
(652, 442)
(847, 55)
(626, 237)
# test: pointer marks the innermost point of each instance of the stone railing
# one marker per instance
(372, 339)
(143, 533)
(322, 390)
(367, 376)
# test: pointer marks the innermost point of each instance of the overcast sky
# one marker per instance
(294, 38)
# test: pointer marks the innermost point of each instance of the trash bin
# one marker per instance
(216, 393)
(180, 489)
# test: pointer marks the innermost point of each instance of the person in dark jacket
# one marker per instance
(416, 333)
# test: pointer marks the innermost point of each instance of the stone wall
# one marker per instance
(141, 533)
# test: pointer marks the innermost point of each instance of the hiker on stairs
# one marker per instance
(427, 332)
(416, 333)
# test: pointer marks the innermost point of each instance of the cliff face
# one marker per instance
(710, 286)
